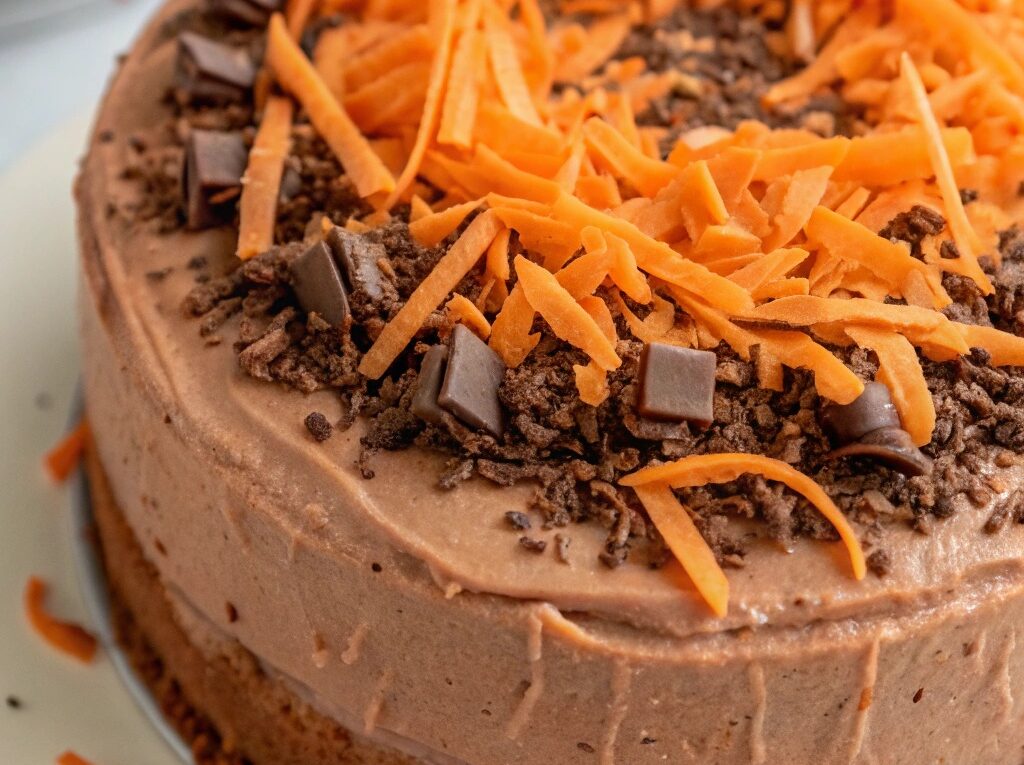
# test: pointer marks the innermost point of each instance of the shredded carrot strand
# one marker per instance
(261, 185)
(60, 462)
(64, 636)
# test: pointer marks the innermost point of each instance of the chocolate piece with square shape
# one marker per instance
(358, 257)
(870, 411)
(212, 177)
(317, 283)
(211, 71)
(428, 386)
(470, 388)
(677, 384)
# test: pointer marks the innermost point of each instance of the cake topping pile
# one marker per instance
(585, 244)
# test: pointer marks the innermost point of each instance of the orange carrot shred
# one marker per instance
(261, 185)
(511, 336)
(886, 159)
(462, 309)
(786, 161)
(460, 102)
(296, 74)
(60, 462)
(604, 36)
(624, 272)
(591, 383)
(419, 209)
(585, 274)
(901, 372)
(448, 272)
(443, 11)
(567, 319)
(497, 256)
(431, 229)
(676, 526)
(769, 268)
(1005, 349)
(69, 638)
(722, 468)
(702, 204)
(70, 758)
(508, 72)
(649, 176)
(963, 233)
(806, 188)
(297, 14)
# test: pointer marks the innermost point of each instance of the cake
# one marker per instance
(486, 382)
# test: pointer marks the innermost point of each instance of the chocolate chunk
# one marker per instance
(518, 520)
(428, 386)
(536, 546)
(212, 176)
(358, 258)
(870, 411)
(892, 446)
(470, 388)
(677, 384)
(252, 12)
(318, 285)
(211, 71)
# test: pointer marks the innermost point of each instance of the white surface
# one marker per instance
(55, 58)
(65, 705)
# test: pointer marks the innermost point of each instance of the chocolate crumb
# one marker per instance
(519, 521)
(159, 275)
(232, 612)
(880, 563)
(647, 741)
(196, 263)
(318, 426)
(583, 746)
(13, 702)
(562, 543)
(919, 695)
(536, 546)
(376, 568)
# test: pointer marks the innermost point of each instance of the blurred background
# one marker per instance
(55, 57)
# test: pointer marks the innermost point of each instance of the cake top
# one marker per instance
(647, 257)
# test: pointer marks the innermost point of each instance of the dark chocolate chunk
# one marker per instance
(358, 258)
(318, 426)
(536, 546)
(677, 384)
(318, 285)
(428, 386)
(252, 12)
(212, 176)
(13, 702)
(870, 411)
(892, 446)
(470, 388)
(211, 71)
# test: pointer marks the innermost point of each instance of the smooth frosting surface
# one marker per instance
(463, 644)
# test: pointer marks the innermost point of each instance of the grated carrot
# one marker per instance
(70, 758)
(511, 336)
(625, 160)
(1006, 349)
(802, 195)
(886, 159)
(460, 102)
(604, 36)
(505, 64)
(672, 519)
(66, 637)
(584, 274)
(722, 468)
(442, 14)
(775, 163)
(409, 45)
(432, 229)
(963, 234)
(261, 184)
(295, 73)
(733, 171)
(769, 268)
(591, 383)
(297, 14)
(624, 271)
(567, 319)
(448, 272)
(462, 309)
(60, 462)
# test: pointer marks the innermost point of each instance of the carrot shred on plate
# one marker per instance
(66, 637)
(448, 272)
(60, 462)
(261, 185)
(431, 229)
(721, 468)
(70, 758)
(673, 521)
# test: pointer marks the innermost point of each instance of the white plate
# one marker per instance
(64, 705)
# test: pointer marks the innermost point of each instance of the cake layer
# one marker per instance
(406, 608)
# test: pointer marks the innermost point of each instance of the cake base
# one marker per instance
(204, 696)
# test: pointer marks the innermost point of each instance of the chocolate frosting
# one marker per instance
(404, 612)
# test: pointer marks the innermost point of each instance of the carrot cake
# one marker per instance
(477, 382)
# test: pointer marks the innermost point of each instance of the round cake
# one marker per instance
(487, 382)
